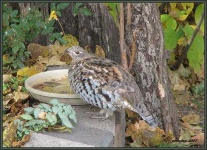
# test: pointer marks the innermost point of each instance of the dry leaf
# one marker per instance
(199, 139)
(191, 119)
(71, 40)
(100, 52)
(28, 71)
(22, 142)
(57, 49)
(20, 96)
(9, 98)
(9, 134)
(16, 107)
(6, 78)
(42, 115)
(37, 50)
(55, 60)
(43, 60)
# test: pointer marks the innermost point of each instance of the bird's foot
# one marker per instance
(102, 115)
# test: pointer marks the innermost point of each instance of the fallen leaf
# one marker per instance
(42, 115)
(184, 72)
(22, 142)
(185, 135)
(9, 134)
(71, 40)
(20, 96)
(198, 139)
(6, 78)
(16, 107)
(55, 60)
(181, 98)
(37, 50)
(191, 119)
(9, 98)
(100, 52)
(28, 71)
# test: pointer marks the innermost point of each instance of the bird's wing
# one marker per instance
(104, 72)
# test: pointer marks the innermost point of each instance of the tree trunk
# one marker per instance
(150, 64)
(98, 29)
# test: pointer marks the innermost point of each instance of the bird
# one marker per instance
(105, 84)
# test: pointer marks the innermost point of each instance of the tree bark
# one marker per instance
(150, 65)
(98, 29)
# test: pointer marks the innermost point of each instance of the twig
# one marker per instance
(61, 26)
(129, 13)
(121, 30)
(176, 65)
(133, 49)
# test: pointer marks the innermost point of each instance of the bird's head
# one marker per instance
(77, 53)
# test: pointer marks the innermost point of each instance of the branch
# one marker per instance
(121, 30)
(176, 65)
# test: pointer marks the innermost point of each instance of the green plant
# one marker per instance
(18, 31)
(13, 84)
(45, 116)
(178, 31)
(79, 8)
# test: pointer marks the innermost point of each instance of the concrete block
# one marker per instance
(87, 132)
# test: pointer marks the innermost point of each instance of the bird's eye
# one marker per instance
(77, 53)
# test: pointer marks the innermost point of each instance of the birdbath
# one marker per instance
(53, 84)
(88, 132)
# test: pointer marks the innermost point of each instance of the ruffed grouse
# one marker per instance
(105, 84)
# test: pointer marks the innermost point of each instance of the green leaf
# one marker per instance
(62, 41)
(40, 23)
(15, 49)
(164, 18)
(67, 109)
(55, 109)
(37, 112)
(85, 11)
(5, 19)
(14, 13)
(171, 39)
(62, 115)
(67, 123)
(9, 32)
(30, 123)
(29, 110)
(52, 6)
(62, 6)
(198, 13)
(54, 102)
(78, 4)
(26, 117)
(57, 35)
(46, 106)
(20, 64)
(171, 23)
(75, 11)
(198, 89)
(73, 117)
(51, 118)
(60, 104)
(58, 13)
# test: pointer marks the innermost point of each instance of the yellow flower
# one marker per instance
(53, 15)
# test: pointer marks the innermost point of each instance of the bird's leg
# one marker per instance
(102, 114)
